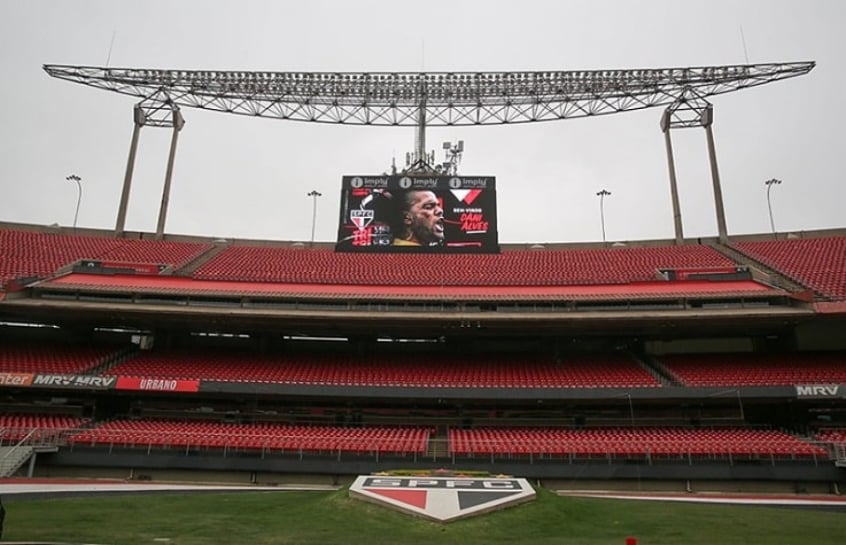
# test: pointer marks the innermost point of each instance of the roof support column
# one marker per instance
(691, 110)
(674, 190)
(178, 123)
(156, 110)
(707, 121)
(140, 120)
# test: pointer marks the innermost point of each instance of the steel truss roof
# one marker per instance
(445, 98)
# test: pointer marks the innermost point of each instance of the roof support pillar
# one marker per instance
(707, 121)
(139, 121)
(674, 190)
(156, 110)
(691, 110)
(178, 123)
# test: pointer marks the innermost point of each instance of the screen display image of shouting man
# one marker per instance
(420, 220)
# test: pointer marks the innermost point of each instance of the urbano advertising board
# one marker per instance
(401, 213)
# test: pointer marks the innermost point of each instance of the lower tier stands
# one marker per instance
(608, 371)
(748, 369)
(14, 427)
(834, 436)
(264, 436)
(52, 358)
(509, 268)
(819, 263)
(616, 442)
(630, 442)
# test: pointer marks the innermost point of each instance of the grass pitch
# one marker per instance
(327, 518)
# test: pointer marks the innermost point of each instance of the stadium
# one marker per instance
(690, 364)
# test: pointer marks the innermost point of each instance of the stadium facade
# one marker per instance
(699, 362)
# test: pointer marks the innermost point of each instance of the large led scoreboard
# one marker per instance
(402, 213)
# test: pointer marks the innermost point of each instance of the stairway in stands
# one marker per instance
(113, 360)
(438, 447)
(189, 268)
(773, 277)
(657, 370)
(12, 458)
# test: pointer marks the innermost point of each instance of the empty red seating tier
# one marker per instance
(29, 253)
(609, 371)
(48, 358)
(835, 436)
(273, 436)
(630, 442)
(509, 268)
(818, 263)
(14, 427)
(740, 369)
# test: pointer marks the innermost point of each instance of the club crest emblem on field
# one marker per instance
(443, 499)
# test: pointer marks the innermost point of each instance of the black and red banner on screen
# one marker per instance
(370, 206)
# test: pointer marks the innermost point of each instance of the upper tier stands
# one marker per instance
(611, 371)
(28, 253)
(819, 263)
(509, 268)
(275, 436)
(749, 369)
(29, 357)
(626, 442)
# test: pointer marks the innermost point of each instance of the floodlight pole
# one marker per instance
(313, 194)
(602, 194)
(770, 183)
(78, 180)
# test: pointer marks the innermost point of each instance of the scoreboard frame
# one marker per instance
(369, 206)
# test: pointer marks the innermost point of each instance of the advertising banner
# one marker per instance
(820, 391)
(82, 382)
(16, 379)
(157, 384)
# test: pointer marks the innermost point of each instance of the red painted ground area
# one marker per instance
(415, 498)
(165, 284)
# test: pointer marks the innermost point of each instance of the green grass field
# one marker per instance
(323, 518)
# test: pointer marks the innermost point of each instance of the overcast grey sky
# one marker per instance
(246, 177)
